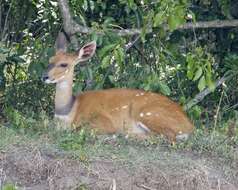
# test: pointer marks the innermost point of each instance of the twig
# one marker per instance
(218, 109)
(6, 21)
(130, 44)
(232, 107)
(200, 96)
(71, 27)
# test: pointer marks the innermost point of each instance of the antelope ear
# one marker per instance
(87, 51)
(61, 42)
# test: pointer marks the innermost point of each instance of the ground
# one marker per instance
(50, 161)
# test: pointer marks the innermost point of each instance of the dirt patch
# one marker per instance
(34, 168)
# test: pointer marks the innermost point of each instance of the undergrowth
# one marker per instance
(84, 144)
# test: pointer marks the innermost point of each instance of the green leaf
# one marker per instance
(210, 82)
(16, 59)
(106, 49)
(191, 66)
(164, 88)
(106, 61)
(119, 56)
(211, 85)
(78, 87)
(202, 83)
(89, 72)
(176, 18)
(143, 33)
(147, 87)
(111, 78)
(158, 19)
(196, 110)
(132, 4)
(172, 22)
(198, 74)
(190, 74)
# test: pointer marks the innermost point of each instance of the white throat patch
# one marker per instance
(63, 85)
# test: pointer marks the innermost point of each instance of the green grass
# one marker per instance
(84, 144)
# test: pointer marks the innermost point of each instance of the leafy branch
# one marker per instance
(71, 27)
(200, 96)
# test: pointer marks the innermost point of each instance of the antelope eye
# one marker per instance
(63, 65)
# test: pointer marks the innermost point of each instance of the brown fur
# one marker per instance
(118, 110)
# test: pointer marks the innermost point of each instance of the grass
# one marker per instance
(85, 146)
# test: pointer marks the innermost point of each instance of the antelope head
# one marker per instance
(61, 65)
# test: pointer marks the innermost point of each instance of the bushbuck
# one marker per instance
(129, 111)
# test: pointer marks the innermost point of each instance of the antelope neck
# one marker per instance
(64, 99)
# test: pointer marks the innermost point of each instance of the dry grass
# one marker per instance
(46, 159)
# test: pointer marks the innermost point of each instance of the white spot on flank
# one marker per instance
(124, 107)
(141, 114)
(180, 132)
(115, 109)
(148, 113)
(140, 94)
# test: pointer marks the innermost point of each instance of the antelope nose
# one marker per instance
(44, 78)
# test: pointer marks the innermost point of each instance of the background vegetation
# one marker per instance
(184, 49)
(157, 53)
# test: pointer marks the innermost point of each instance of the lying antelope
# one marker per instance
(128, 111)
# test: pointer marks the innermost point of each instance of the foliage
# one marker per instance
(199, 68)
(231, 64)
(9, 60)
(212, 142)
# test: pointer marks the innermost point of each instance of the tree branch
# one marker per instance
(71, 27)
(200, 96)
(210, 24)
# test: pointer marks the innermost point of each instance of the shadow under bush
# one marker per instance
(30, 98)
